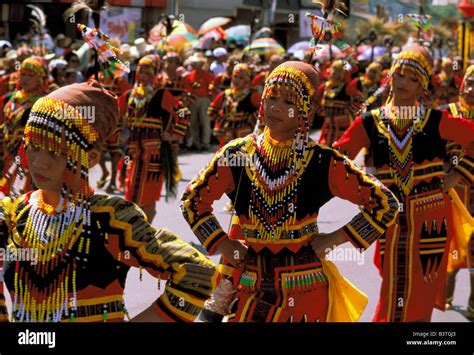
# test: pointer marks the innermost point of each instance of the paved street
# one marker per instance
(361, 272)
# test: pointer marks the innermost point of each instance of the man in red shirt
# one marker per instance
(198, 81)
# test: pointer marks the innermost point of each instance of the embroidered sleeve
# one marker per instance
(353, 140)
(215, 106)
(191, 276)
(182, 117)
(196, 203)
(378, 206)
(461, 131)
(357, 97)
(179, 114)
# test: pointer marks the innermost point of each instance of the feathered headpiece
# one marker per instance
(107, 54)
(326, 27)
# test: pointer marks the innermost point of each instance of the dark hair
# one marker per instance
(55, 72)
(69, 55)
(70, 72)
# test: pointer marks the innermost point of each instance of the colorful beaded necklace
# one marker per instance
(62, 235)
(137, 101)
(401, 129)
(232, 99)
(400, 132)
(276, 169)
(53, 235)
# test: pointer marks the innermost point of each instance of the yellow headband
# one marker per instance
(414, 62)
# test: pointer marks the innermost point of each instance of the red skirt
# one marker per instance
(299, 294)
(144, 180)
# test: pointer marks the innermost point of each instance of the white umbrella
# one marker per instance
(322, 51)
(239, 34)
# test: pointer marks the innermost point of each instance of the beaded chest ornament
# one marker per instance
(278, 166)
(61, 235)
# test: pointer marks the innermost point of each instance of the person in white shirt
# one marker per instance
(219, 65)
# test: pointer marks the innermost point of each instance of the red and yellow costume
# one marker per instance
(86, 245)
(17, 107)
(277, 189)
(339, 103)
(149, 115)
(234, 111)
(461, 254)
(408, 157)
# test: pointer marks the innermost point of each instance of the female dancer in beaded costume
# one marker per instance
(86, 243)
(339, 103)
(369, 85)
(277, 182)
(33, 80)
(408, 144)
(119, 86)
(235, 109)
(460, 259)
(154, 118)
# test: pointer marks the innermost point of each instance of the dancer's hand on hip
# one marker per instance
(451, 180)
(234, 251)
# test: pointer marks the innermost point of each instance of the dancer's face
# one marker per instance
(336, 75)
(29, 81)
(281, 114)
(405, 86)
(170, 66)
(239, 80)
(374, 75)
(47, 168)
(468, 90)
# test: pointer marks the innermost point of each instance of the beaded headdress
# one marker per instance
(148, 64)
(35, 65)
(107, 54)
(69, 122)
(58, 127)
(300, 89)
(417, 61)
(62, 124)
(244, 69)
(278, 165)
(413, 61)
